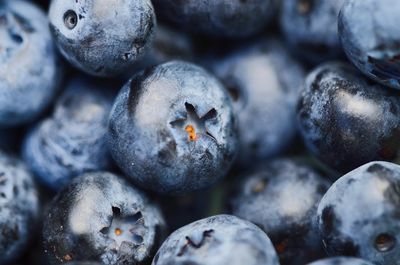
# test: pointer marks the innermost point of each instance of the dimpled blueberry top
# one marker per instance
(369, 31)
(219, 18)
(71, 141)
(102, 37)
(282, 197)
(264, 82)
(359, 215)
(221, 239)
(29, 70)
(172, 129)
(19, 207)
(101, 217)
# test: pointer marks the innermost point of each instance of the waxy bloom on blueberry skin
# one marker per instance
(101, 217)
(346, 120)
(341, 261)
(369, 31)
(19, 208)
(29, 68)
(220, 239)
(172, 129)
(102, 37)
(219, 18)
(264, 82)
(359, 215)
(282, 197)
(310, 28)
(73, 140)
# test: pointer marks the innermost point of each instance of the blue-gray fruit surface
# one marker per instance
(103, 37)
(264, 82)
(346, 120)
(73, 140)
(370, 37)
(172, 129)
(282, 197)
(341, 261)
(310, 28)
(221, 239)
(218, 18)
(359, 215)
(19, 208)
(29, 68)
(101, 217)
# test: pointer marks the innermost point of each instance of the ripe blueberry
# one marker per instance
(172, 130)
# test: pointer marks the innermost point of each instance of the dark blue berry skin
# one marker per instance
(310, 28)
(341, 261)
(221, 239)
(264, 83)
(19, 208)
(88, 263)
(347, 121)
(218, 18)
(102, 38)
(100, 217)
(29, 68)
(83, 263)
(370, 37)
(168, 44)
(172, 129)
(282, 197)
(359, 215)
(73, 140)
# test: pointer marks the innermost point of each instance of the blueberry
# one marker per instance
(359, 215)
(100, 217)
(347, 121)
(310, 28)
(221, 239)
(102, 38)
(19, 208)
(341, 261)
(282, 197)
(172, 129)
(370, 37)
(218, 18)
(73, 140)
(29, 68)
(264, 83)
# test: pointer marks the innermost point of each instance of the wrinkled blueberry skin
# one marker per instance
(218, 18)
(370, 37)
(19, 208)
(29, 68)
(310, 28)
(264, 83)
(73, 140)
(221, 239)
(149, 123)
(341, 261)
(282, 197)
(102, 38)
(347, 121)
(359, 215)
(100, 217)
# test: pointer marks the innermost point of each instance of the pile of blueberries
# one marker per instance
(200, 132)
